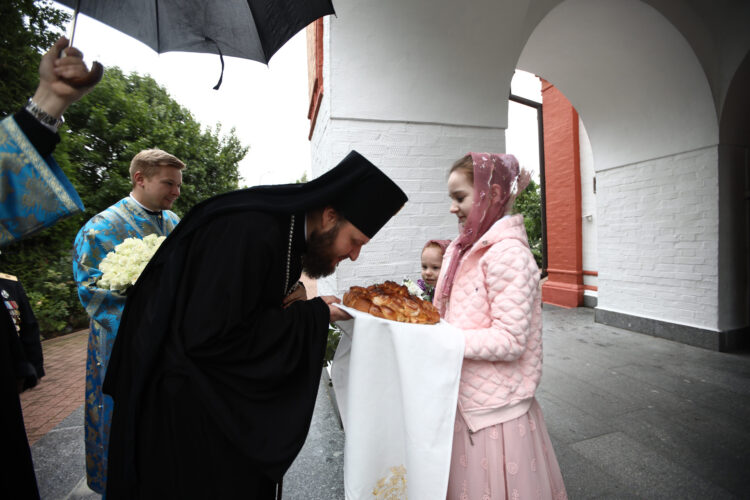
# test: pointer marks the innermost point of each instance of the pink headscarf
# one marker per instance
(489, 169)
(443, 244)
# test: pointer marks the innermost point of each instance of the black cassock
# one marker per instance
(17, 479)
(213, 382)
(221, 405)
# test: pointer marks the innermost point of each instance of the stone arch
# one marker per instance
(629, 73)
(650, 115)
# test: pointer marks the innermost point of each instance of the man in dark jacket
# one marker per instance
(25, 342)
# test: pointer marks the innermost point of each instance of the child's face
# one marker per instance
(432, 259)
(461, 192)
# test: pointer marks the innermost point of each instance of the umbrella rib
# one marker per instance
(158, 32)
(260, 42)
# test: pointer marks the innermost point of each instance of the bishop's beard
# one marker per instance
(320, 260)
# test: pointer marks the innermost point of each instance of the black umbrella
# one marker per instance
(250, 29)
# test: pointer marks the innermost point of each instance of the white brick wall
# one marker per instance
(658, 238)
(588, 210)
(416, 156)
(322, 157)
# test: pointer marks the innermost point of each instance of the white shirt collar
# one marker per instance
(141, 204)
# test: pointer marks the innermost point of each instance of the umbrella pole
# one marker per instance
(75, 18)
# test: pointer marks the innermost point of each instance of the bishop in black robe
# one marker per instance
(214, 382)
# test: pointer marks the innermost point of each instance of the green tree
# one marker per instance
(529, 203)
(125, 114)
(27, 30)
(121, 116)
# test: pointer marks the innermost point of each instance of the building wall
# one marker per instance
(648, 80)
(322, 158)
(564, 284)
(631, 76)
(734, 236)
(416, 155)
(652, 124)
(658, 239)
(425, 61)
(588, 213)
(734, 205)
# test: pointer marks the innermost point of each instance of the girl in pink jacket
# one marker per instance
(489, 287)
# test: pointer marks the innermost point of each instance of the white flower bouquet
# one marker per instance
(122, 266)
(419, 289)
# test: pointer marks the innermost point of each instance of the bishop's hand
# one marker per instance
(336, 313)
(297, 293)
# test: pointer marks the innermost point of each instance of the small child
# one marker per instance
(432, 261)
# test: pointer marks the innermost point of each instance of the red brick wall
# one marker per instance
(314, 34)
(564, 286)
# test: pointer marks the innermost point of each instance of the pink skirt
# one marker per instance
(513, 460)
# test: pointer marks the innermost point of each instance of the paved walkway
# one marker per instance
(61, 390)
(631, 416)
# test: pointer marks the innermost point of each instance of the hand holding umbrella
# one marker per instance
(97, 70)
(251, 29)
(62, 80)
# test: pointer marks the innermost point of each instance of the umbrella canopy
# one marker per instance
(251, 29)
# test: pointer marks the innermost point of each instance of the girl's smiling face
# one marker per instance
(461, 192)
(432, 259)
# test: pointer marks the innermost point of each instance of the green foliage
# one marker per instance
(27, 30)
(529, 203)
(121, 116)
(125, 114)
(54, 298)
(334, 335)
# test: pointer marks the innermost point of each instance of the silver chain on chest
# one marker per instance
(289, 257)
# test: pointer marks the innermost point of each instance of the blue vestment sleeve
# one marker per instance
(34, 192)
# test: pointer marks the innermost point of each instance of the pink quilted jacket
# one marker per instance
(496, 302)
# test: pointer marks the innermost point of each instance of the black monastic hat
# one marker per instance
(371, 197)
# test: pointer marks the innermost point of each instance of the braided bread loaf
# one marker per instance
(390, 300)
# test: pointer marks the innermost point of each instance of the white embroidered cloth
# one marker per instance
(396, 386)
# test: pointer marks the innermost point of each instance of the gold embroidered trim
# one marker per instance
(127, 216)
(392, 486)
(38, 164)
(129, 209)
(96, 300)
(5, 235)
